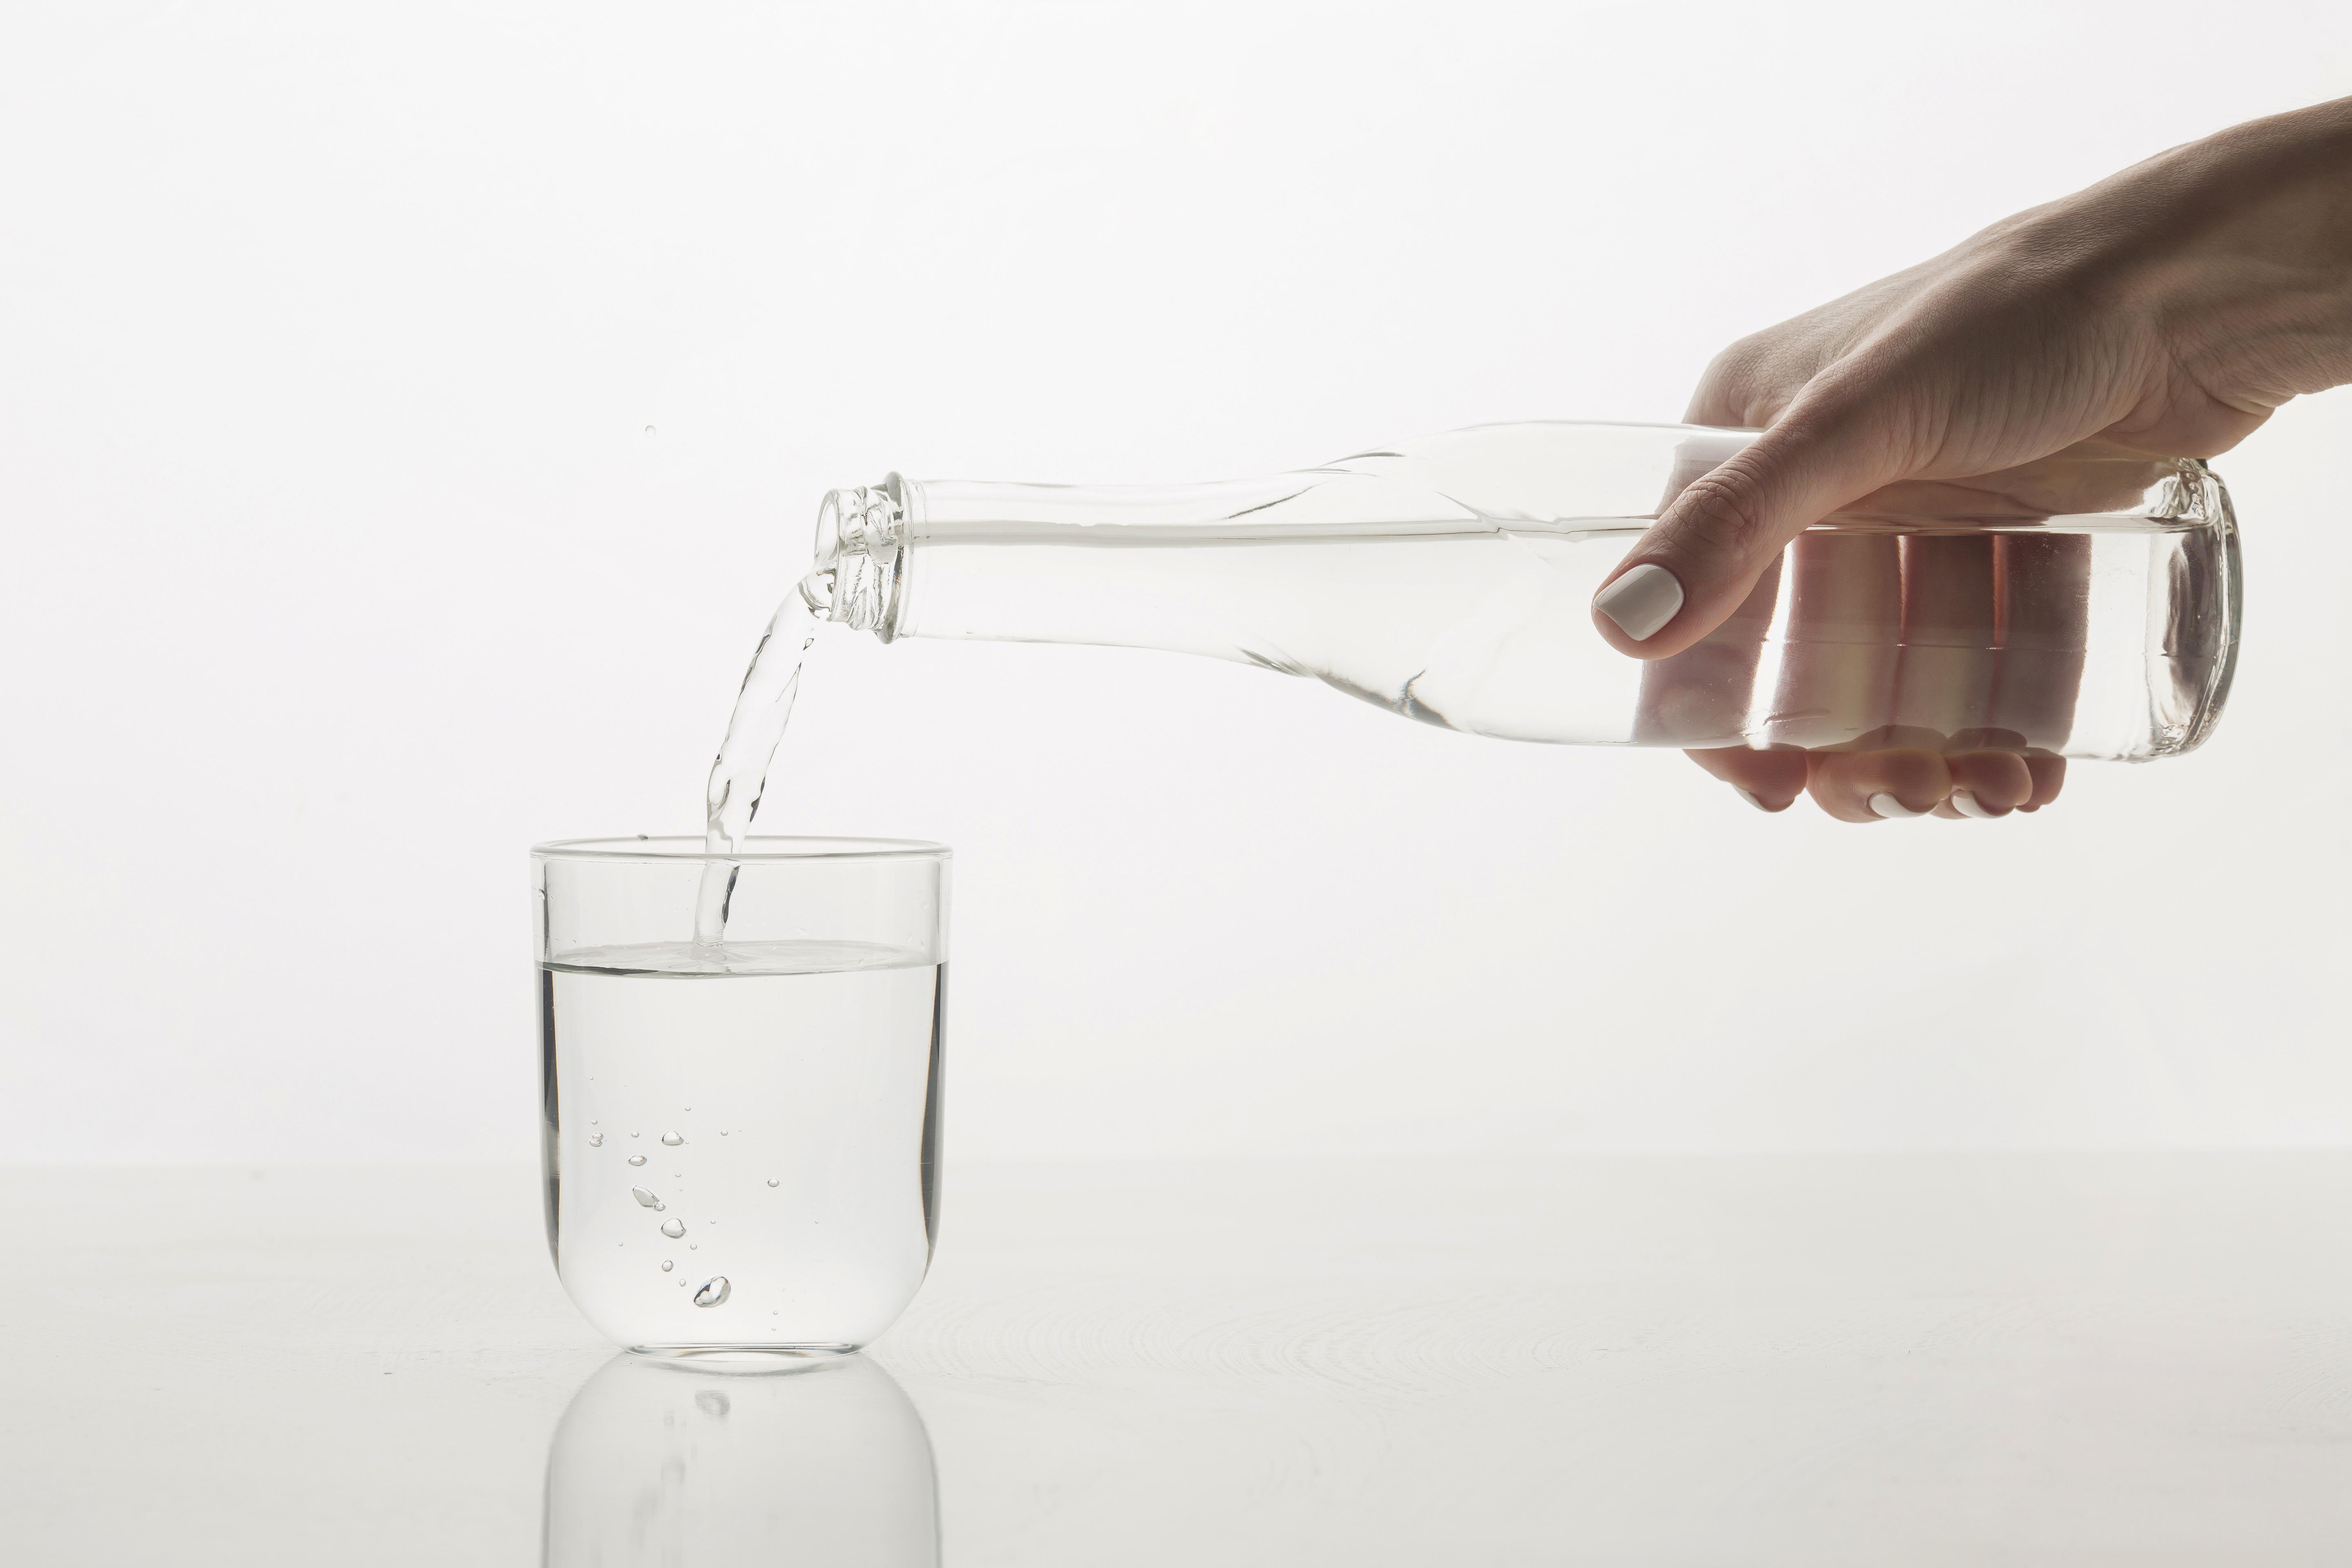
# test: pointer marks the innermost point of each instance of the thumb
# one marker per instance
(1699, 559)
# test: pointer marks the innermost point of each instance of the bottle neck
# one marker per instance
(907, 559)
(861, 554)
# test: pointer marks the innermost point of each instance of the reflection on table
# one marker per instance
(808, 1460)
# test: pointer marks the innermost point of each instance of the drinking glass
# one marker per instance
(741, 1137)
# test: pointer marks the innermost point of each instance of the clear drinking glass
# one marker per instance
(740, 1139)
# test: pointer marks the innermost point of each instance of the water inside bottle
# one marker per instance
(2107, 637)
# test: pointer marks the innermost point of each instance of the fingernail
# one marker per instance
(1749, 796)
(1894, 810)
(1641, 601)
(1966, 804)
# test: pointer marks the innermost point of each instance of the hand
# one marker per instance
(2165, 311)
(1913, 674)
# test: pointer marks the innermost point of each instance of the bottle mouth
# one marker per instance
(859, 556)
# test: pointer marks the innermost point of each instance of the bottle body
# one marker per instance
(2086, 606)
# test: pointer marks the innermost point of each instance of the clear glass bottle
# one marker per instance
(2086, 604)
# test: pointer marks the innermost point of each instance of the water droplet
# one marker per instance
(722, 1132)
(644, 1197)
(595, 1140)
(714, 1291)
(710, 1401)
(672, 1139)
(710, 1222)
(649, 429)
(694, 1246)
(672, 1228)
(772, 1180)
(636, 1159)
(668, 1265)
(632, 1136)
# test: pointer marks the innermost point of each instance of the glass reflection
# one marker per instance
(819, 1461)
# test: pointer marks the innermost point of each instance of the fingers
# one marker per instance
(1986, 784)
(1844, 635)
(1879, 786)
(1890, 783)
(2043, 585)
(1945, 682)
(1699, 560)
(1771, 781)
(1701, 696)
(2049, 776)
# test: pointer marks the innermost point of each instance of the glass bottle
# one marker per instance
(2086, 604)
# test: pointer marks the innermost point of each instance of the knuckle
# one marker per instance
(1718, 514)
(1742, 381)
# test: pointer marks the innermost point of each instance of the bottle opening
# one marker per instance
(859, 550)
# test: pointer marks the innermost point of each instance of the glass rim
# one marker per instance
(776, 847)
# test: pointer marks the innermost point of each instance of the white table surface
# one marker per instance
(2046, 1359)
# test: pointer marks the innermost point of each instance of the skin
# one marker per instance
(2165, 311)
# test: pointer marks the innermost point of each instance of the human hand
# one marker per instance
(1912, 673)
(2163, 312)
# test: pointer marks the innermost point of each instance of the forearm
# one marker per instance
(2236, 249)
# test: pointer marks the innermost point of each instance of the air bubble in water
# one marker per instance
(713, 1292)
(668, 1265)
(595, 1140)
(772, 1180)
(632, 1136)
(672, 1228)
(672, 1139)
(636, 1159)
(710, 1401)
(644, 1197)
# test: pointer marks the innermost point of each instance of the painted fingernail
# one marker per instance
(1749, 796)
(1966, 804)
(1641, 601)
(1894, 810)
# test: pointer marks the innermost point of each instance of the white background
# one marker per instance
(340, 563)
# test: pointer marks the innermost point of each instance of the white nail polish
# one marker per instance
(1894, 810)
(1641, 601)
(1966, 804)
(1749, 796)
